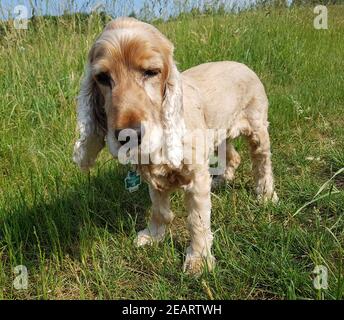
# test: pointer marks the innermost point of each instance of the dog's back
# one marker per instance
(232, 94)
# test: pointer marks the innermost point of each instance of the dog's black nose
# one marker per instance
(128, 134)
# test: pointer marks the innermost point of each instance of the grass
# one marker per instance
(75, 232)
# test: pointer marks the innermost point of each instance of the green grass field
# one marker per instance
(75, 232)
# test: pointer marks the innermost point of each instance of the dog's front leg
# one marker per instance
(161, 216)
(198, 204)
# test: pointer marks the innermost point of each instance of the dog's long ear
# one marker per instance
(173, 115)
(91, 123)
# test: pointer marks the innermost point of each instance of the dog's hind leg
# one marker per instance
(161, 216)
(232, 163)
(259, 142)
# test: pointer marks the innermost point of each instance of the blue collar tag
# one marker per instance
(132, 181)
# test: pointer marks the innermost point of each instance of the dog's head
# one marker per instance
(131, 82)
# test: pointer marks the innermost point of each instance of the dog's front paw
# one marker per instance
(146, 237)
(268, 197)
(195, 264)
(274, 198)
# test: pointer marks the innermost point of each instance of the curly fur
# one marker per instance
(91, 124)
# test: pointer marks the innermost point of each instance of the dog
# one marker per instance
(132, 82)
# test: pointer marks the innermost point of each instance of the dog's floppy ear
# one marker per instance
(172, 115)
(91, 123)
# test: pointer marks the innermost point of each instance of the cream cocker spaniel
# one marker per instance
(132, 82)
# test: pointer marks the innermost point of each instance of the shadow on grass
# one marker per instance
(63, 217)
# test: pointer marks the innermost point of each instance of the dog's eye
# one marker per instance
(150, 73)
(104, 79)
